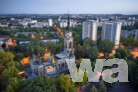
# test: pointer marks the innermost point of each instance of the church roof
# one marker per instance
(62, 55)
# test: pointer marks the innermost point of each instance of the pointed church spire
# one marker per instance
(68, 26)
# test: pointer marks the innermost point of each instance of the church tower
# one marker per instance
(68, 40)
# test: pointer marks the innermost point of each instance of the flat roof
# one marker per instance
(49, 38)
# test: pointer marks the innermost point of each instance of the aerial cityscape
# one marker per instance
(40, 39)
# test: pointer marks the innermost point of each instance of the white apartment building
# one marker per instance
(33, 21)
(89, 30)
(45, 24)
(111, 31)
(37, 25)
(64, 23)
(136, 35)
(3, 25)
(127, 23)
(27, 19)
(50, 22)
(73, 23)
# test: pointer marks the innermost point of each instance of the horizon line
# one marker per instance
(64, 13)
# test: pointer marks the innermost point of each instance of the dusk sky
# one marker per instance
(74, 6)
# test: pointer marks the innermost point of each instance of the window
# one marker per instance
(63, 64)
(65, 45)
(70, 44)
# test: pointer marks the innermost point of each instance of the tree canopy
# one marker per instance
(5, 57)
(87, 50)
(42, 83)
(21, 36)
(129, 42)
(106, 47)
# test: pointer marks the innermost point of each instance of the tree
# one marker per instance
(35, 34)
(79, 52)
(64, 79)
(39, 84)
(52, 47)
(84, 81)
(36, 42)
(89, 41)
(132, 73)
(93, 53)
(106, 47)
(21, 36)
(14, 63)
(26, 49)
(72, 88)
(19, 51)
(9, 89)
(61, 42)
(9, 73)
(49, 34)
(5, 57)
(94, 89)
(123, 53)
(30, 35)
(135, 44)
(45, 84)
(129, 42)
(136, 60)
(76, 33)
(18, 56)
(37, 50)
(102, 87)
(13, 85)
(87, 50)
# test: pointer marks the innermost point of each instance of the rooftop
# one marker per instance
(49, 38)
(4, 38)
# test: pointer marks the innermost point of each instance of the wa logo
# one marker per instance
(121, 70)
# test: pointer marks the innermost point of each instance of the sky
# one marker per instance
(74, 6)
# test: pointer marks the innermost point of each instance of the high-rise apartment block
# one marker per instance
(136, 35)
(111, 31)
(89, 30)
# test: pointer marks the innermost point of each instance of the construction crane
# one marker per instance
(59, 30)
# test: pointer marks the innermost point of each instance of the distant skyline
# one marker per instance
(74, 6)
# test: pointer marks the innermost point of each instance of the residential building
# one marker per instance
(3, 25)
(136, 35)
(111, 31)
(25, 24)
(27, 19)
(89, 30)
(37, 25)
(53, 39)
(50, 22)
(63, 24)
(126, 33)
(33, 21)
(45, 24)
(5, 40)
